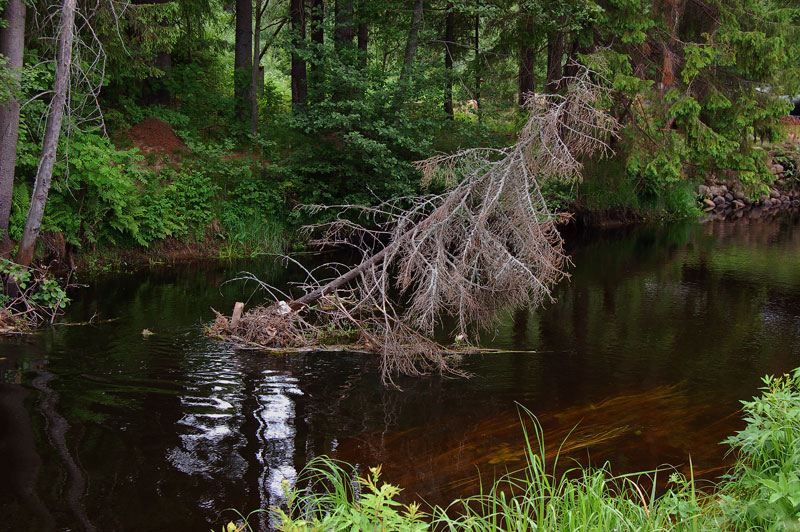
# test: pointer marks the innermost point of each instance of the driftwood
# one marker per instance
(488, 243)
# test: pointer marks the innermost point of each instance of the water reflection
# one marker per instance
(659, 334)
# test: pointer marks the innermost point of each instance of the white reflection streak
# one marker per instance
(276, 419)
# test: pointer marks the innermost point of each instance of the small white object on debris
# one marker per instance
(284, 307)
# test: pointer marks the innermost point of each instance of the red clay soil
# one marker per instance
(154, 135)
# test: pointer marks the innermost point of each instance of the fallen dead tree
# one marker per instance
(489, 242)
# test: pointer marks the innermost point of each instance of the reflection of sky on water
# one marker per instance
(221, 411)
(275, 434)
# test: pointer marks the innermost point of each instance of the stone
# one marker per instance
(774, 193)
(738, 194)
(708, 204)
(704, 191)
(738, 205)
(728, 197)
(719, 200)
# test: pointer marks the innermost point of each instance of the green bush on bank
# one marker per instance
(761, 492)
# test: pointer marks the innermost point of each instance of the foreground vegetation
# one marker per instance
(761, 492)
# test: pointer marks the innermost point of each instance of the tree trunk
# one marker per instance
(477, 48)
(299, 86)
(243, 59)
(555, 58)
(12, 45)
(449, 37)
(255, 70)
(344, 32)
(317, 29)
(363, 37)
(526, 60)
(343, 35)
(411, 44)
(44, 173)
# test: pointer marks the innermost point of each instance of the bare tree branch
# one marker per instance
(486, 244)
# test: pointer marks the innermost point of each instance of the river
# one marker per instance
(654, 340)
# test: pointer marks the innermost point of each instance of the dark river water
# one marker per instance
(658, 335)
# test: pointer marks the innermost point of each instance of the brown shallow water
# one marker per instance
(642, 362)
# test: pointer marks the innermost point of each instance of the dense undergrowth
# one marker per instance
(761, 492)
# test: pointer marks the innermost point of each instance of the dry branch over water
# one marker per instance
(488, 243)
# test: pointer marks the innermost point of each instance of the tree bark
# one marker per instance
(411, 43)
(299, 84)
(315, 75)
(477, 49)
(449, 37)
(44, 173)
(242, 58)
(555, 58)
(12, 45)
(255, 71)
(526, 60)
(344, 31)
(363, 37)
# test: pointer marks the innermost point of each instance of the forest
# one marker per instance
(206, 123)
(505, 244)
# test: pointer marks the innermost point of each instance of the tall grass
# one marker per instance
(761, 492)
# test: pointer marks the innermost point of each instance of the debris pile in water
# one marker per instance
(270, 326)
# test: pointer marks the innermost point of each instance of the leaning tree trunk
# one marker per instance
(44, 173)
(12, 45)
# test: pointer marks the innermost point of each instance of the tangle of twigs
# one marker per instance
(488, 243)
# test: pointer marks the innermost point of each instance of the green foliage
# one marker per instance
(763, 490)
(331, 501)
(38, 297)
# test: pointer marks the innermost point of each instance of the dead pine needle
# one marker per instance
(486, 244)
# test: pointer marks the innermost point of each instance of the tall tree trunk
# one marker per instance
(449, 37)
(343, 36)
(526, 59)
(411, 43)
(242, 58)
(44, 173)
(477, 49)
(255, 70)
(555, 58)
(363, 35)
(315, 76)
(344, 31)
(299, 86)
(12, 45)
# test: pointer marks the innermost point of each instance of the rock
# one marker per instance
(774, 193)
(708, 204)
(737, 204)
(704, 191)
(738, 194)
(728, 197)
(747, 201)
(719, 200)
